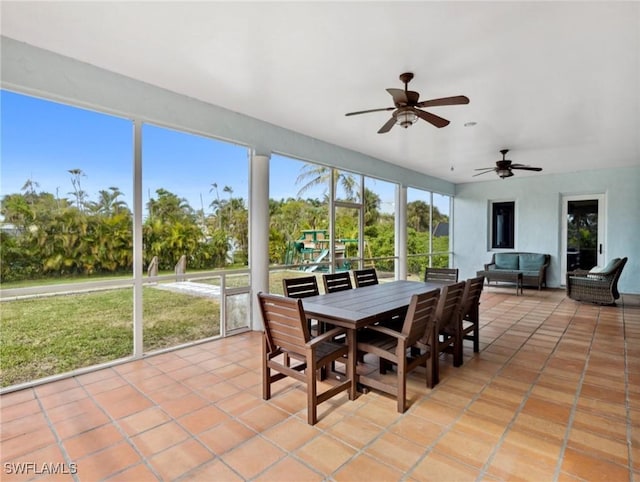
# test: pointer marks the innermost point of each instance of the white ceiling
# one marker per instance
(558, 83)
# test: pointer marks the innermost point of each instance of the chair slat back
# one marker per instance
(284, 323)
(441, 274)
(336, 282)
(302, 287)
(449, 306)
(365, 277)
(420, 316)
(471, 298)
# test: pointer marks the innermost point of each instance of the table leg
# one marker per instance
(353, 361)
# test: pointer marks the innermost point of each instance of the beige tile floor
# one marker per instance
(553, 395)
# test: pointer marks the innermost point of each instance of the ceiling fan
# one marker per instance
(406, 110)
(504, 167)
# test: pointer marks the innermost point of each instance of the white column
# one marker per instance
(401, 232)
(138, 261)
(258, 232)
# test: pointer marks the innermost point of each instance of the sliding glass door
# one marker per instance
(583, 242)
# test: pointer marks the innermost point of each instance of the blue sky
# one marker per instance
(42, 140)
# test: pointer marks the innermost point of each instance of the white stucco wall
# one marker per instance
(538, 218)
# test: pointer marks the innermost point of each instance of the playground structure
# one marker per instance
(313, 246)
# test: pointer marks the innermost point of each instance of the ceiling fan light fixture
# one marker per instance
(407, 107)
(504, 173)
(406, 118)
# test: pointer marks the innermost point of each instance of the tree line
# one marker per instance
(46, 235)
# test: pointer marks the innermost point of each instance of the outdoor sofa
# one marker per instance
(533, 267)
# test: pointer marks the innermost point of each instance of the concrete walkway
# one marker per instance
(191, 288)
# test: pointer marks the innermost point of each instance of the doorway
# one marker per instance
(583, 223)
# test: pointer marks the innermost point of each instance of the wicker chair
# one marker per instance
(599, 287)
(448, 275)
(286, 337)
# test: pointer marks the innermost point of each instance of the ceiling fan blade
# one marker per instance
(399, 96)
(387, 126)
(370, 110)
(412, 97)
(525, 168)
(431, 118)
(456, 100)
(486, 169)
(481, 173)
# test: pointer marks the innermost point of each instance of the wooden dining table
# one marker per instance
(356, 308)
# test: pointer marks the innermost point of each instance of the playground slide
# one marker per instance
(322, 255)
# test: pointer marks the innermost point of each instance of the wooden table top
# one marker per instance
(360, 307)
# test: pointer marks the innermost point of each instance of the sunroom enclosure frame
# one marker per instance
(61, 79)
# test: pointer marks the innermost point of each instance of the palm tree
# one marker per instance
(169, 207)
(371, 207)
(29, 188)
(321, 175)
(16, 210)
(79, 194)
(108, 202)
(229, 191)
(216, 203)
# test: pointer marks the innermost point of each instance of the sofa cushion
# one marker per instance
(531, 261)
(506, 261)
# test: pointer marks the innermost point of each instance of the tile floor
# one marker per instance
(553, 395)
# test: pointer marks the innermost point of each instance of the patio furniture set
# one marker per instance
(518, 268)
(598, 285)
(405, 324)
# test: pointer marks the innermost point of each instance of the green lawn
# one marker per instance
(51, 335)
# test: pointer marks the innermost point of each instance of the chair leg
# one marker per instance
(429, 372)
(312, 392)
(435, 367)
(266, 372)
(476, 338)
(402, 387)
(457, 350)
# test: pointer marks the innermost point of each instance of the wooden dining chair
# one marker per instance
(441, 274)
(334, 282)
(303, 287)
(287, 340)
(445, 336)
(365, 277)
(469, 328)
(395, 347)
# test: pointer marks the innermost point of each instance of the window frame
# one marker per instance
(494, 225)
